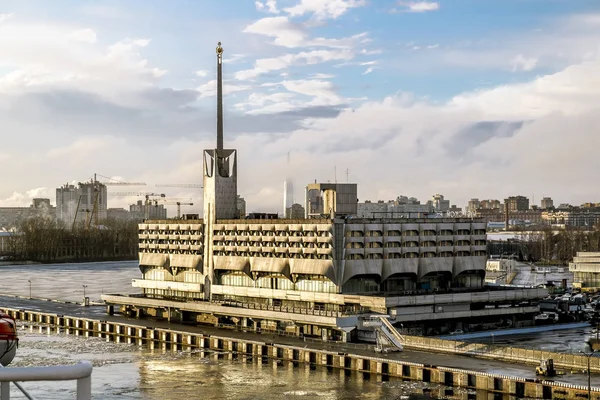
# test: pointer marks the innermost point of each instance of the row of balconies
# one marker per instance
(170, 251)
(170, 232)
(415, 232)
(282, 250)
(415, 243)
(434, 249)
(192, 247)
(278, 239)
(275, 244)
(282, 234)
(179, 242)
(143, 236)
(304, 256)
(416, 238)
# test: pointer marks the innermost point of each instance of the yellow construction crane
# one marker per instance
(93, 213)
(180, 185)
(140, 194)
(171, 201)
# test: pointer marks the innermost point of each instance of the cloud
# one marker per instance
(269, 6)
(291, 34)
(419, 6)
(6, 17)
(201, 73)
(265, 65)
(520, 63)
(84, 35)
(324, 9)
(368, 70)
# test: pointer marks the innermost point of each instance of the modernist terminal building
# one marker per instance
(317, 276)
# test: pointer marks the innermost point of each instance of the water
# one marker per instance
(127, 372)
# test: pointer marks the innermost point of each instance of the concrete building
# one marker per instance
(579, 218)
(10, 216)
(516, 203)
(141, 211)
(241, 206)
(401, 207)
(439, 204)
(490, 204)
(81, 204)
(586, 271)
(473, 205)
(317, 276)
(296, 211)
(331, 199)
(546, 203)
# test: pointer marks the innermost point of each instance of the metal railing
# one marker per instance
(81, 372)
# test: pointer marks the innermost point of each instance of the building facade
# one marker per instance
(586, 271)
(546, 203)
(11, 216)
(516, 203)
(81, 204)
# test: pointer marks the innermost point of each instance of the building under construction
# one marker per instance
(318, 276)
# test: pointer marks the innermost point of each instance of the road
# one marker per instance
(437, 359)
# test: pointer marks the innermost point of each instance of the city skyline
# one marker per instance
(468, 100)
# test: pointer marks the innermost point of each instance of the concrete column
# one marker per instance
(244, 322)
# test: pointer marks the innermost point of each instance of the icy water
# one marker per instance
(128, 372)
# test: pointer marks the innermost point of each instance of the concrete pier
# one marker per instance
(173, 340)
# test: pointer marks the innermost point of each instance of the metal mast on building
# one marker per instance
(219, 97)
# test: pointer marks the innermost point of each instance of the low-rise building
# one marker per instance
(10, 216)
(586, 271)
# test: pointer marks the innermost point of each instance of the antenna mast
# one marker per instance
(219, 97)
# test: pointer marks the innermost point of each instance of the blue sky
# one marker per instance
(398, 86)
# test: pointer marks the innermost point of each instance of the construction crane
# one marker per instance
(96, 184)
(171, 202)
(180, 185)
(141, 194)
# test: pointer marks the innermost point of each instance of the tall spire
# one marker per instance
(219, 96)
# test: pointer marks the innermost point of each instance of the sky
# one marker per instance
(466, 98)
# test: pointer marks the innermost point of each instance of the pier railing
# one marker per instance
(81, 372)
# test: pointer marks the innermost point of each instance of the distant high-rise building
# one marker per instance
(296, 211)
(516, 203)
(241, 206)
(79, 204)
(547, 203)
(141, 211)
(490, 204)
(439, 204)
(288, 189)
(473, 205)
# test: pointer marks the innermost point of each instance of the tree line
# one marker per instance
(46, 240)
(552, 246)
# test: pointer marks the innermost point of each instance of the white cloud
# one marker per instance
(290, 34)
(520, 63)
(201, 73)
(324, 9)
(265, 65)
(84, 35)
(368, 70)
(6, 16)
(419, 6)
(268, 6)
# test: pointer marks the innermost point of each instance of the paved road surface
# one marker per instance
(490, 366)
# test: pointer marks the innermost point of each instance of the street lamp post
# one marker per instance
(589, 374)
(29, 280)
(84, 286)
